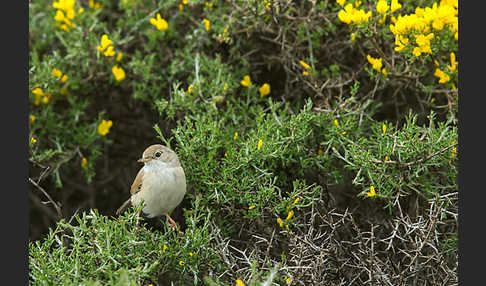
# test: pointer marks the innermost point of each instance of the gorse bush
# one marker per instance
(318, 138)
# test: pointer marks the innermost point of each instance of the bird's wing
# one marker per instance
(137, 183)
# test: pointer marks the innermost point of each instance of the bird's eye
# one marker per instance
(158, 153)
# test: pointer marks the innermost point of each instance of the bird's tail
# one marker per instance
(123, 207)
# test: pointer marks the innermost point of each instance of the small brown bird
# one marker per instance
(160, 183)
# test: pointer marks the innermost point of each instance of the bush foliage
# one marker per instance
(318, 138)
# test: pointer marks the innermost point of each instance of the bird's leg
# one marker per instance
(172, 223)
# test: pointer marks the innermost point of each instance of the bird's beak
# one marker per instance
(144, 160)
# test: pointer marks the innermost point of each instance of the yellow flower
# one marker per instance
(305, 65)
(181, 7)
(341, 2)
(260, 143)
(104, 127)
(239, 282)
(280, 222)
(351, 15)
(383, 128)
(305, 73)
(159, 23)
(207, 24)
(181, 263)
(372, 192)
(105, 42)
(395, 5)
(296, 201)
(423, 42)
(443, 77)
(382, 6)
(164, 248)
(84, 162)
(264, 89)
(290, 215)
(80, 10)
(336, 123)
(39, 93)
(57, 73)
(387, 158)
(191, 254)
(251, 207)
(33, 140)
(32, 119)
(453, 154)
(109, 52)
(246, 82)
(376, 63)
(353, 37)
(235, 136)
(118, 72)
(453, 65)
(384, 72)
(64, 78)
(184, 2)
(65, 5)
(189, 89)
(119, 57)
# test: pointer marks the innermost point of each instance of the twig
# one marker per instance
(56, 206)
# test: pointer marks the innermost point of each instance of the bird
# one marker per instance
(160, 184)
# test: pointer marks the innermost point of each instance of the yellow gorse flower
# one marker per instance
(372, 192)
(65, 13)
(453, 65)
(424, 20)
(164, 248)
(382, 6)
(341, 2)
(207, 24)
(57, 73)
(235, 136)
(264, 89)
(383, 128)
(395, 6)
(376, 63)
(40, 96)
(104, 127)
(280, 222)
(33, 140)
(84, 162)
(350, 15)
(95, 5)
(239, 282)
(423, 42)
(443, 77)
(32, 119)
(260, 143)
(290, 215)
(251, 207)
(118, 72)
(159, 23)
(119, 57)
(304, 65)
(246, 81)
(105, 43)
